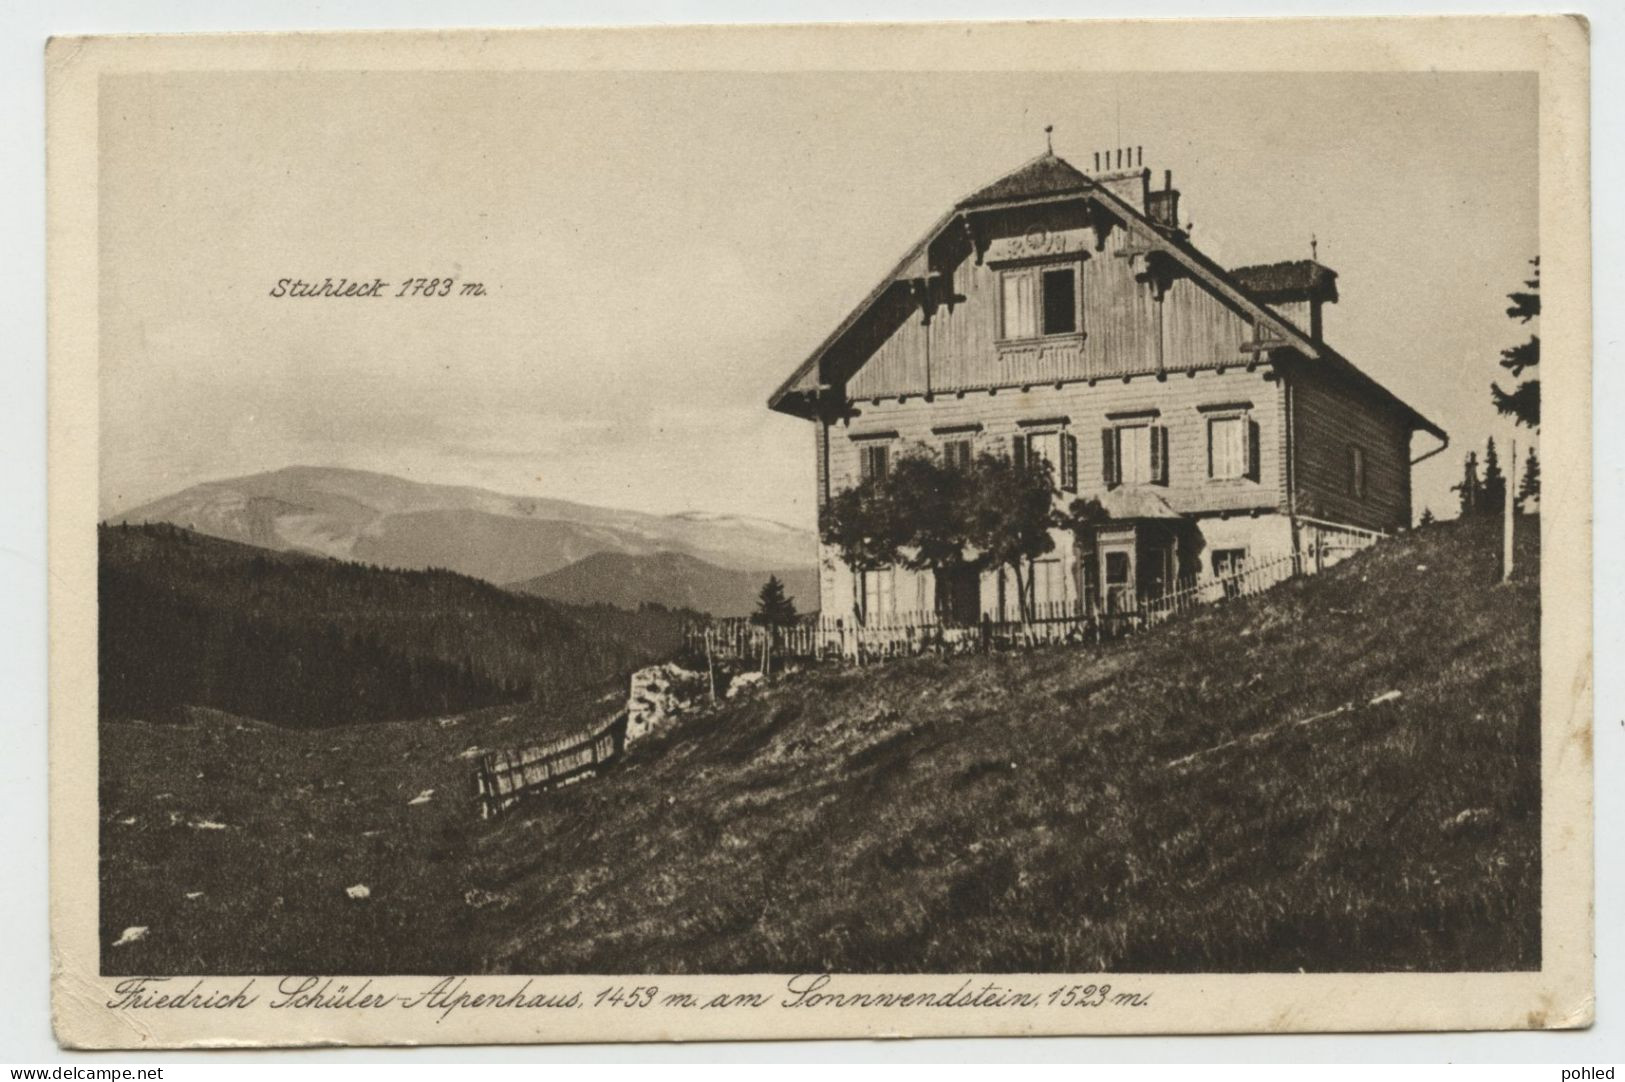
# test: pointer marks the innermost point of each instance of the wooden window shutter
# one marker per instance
(872, 462)
(1253, 456)
(1108, 456)
(1069, 462)
(1018, 449)
(1159, 454)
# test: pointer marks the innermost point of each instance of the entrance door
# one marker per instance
(1117, 577)
(1157, 567)
(959, 596)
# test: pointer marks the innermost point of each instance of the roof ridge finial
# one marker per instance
(1314, 248)
(1049, 139)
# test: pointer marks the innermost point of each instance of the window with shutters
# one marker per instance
(956, 454)
(872, 460)
(1135, 454)
(1039, 302)
(1226, 448)
(1232, 447)
(1059, 449)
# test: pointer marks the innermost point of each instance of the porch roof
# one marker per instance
(1130, 503)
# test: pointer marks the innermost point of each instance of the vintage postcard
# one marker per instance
(803, 532)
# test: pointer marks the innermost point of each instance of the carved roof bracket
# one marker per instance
(978, 240)
(1159, 272)
(1103, 221)
(924, 291)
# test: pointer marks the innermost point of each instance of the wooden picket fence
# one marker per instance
(503, 778)
(907, 634)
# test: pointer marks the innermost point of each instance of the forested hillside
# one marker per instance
(310, 642)
(674, 579)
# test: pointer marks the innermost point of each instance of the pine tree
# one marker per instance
(1529, 483)
(1494, 493)
(773, 608)
(1427, 517)
(1470, 489)
(1522, 403)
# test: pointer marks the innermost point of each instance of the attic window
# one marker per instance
(1060, 301)
(1038, 302)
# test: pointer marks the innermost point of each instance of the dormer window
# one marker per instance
(1037, 302)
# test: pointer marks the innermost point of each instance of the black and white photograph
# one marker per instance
(817, 538)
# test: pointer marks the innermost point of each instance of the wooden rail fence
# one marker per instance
(906, 634)
(503, 778)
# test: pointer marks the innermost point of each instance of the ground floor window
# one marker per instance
(879, 593)
(1049, 585)
(1227, 567)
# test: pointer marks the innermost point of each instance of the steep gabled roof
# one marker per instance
(1045, 175)
(1048, 177)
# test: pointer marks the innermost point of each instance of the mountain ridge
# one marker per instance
(400, 523)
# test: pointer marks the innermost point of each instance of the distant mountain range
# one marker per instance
(673, 579)
(392, 522)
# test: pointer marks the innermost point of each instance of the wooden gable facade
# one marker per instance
(1067, 315)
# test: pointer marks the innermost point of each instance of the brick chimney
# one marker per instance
(1119, 171)
(1162, 206)
(1122, 171)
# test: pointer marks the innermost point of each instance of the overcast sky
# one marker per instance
(660, 250)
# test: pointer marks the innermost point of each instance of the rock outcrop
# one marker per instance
(659, 694)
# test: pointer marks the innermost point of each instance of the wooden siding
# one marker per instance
(1329, 418)
(1126, 331)
(1176, 399)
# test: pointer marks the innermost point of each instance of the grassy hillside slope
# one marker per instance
(1007, 813)
(1032, 812)
(233, 841)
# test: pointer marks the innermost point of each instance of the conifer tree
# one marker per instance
(773, 608)
(1470, 489)
(1529, 483)
(1494, 493)
(1522, 403)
